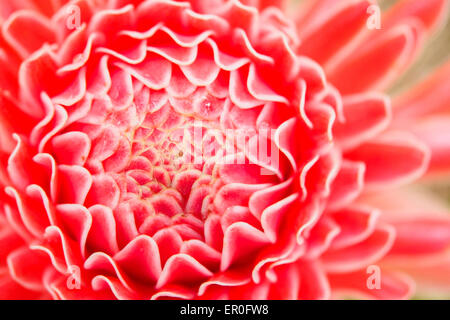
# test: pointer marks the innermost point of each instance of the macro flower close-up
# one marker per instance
(223, 149)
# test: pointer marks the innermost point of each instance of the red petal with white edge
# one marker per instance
(430, 12)
(306, 216)
(8, 113)
(102, 235)
(10, 241)
(375, 64)
(74, 184)
(229, 278)
(58, 288)
(74, 92)
(126, 224)
(421, 236)
(104, 191)
(362, 254)
(314, 284)
(121, 92)
(347, 185)
(120, 159)
(313, 12)
(250, 291)
(104, 284)
(62, 250)
(91, 189)
(392, 286)
(77, 222)
(325, 38)
(430, 96)
(18, 161)
(201, 252)
(272, 217)
(355, 225)
(263, 198)
(238, 214)
(140, 259)
(158, 78)
(224, 60)
(112, 21)
(38, 66)
(71, 148)
(240, 241)
(179, 86)
(6, 8)
(11, 290)
(27, 267)
(366, 115)
(174, 291)
(259, 89)
(235, 194)
(239, 92)
(244, 173)
(321, 237)
(204, 70)
(392, 159)
(280, 253)
(27, 31)
(126, 49)
(214, 232)
(435, 133)
(35, 220)
(163, 45)
(182, 268)
(318, 175)
(430, 272)
(288, 283)
(105, 143)
(103, 263)
(169, 243)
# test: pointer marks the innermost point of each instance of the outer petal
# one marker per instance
(392, 159)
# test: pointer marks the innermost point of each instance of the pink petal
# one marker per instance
(240, 241)
(392, 286)
(347, 185)
(325, 39)
(355, 225)
(26, 32)
(375, 65)
(182, 268)
(102, 235)
(74, 184)
(421, 236)
(140, 259)
(27, 274)
(361, 254)
(392, 159)
(365, 117)
(71, 148)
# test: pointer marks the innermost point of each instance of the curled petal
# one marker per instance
(240, 240)
(361, 254)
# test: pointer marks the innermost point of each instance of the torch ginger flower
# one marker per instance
(101, 198)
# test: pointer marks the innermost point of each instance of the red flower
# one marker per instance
(134, 138)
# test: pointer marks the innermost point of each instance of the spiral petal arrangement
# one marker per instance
(217, 150)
